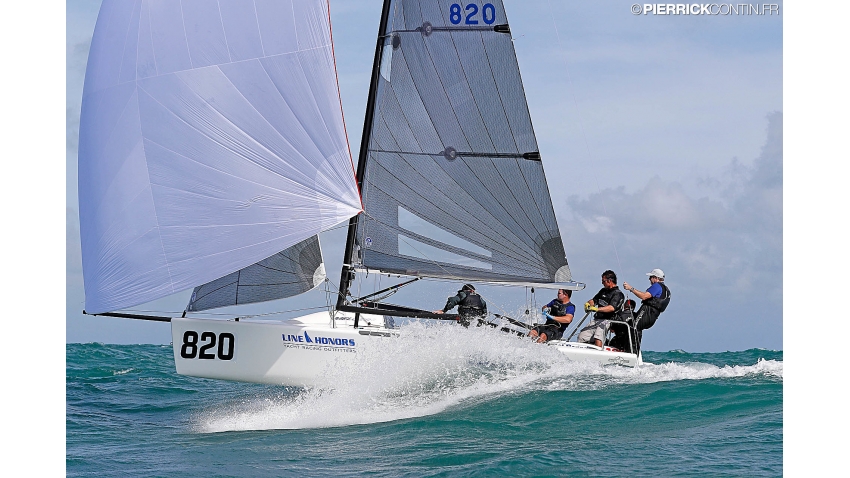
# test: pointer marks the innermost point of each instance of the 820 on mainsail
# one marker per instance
(213, 151)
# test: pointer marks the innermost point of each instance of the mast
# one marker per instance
(347, 274)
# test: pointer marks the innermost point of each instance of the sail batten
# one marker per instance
(502, 240)
(451, 143)
(211, 139)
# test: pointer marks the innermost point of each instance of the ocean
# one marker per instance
(454, 403)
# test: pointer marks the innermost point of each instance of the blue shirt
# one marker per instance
(555, 304)
(655, 290)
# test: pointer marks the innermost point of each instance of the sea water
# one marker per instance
(437, 401)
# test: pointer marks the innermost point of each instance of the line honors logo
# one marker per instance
(318, 341)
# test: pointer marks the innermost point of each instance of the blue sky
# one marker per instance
(698, 121)
(661, 137)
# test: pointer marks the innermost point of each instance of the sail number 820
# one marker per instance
(488, 14)
(192, 348)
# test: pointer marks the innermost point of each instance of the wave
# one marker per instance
(433, 368)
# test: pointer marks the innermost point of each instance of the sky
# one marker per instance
(630, 111)
(662, 142)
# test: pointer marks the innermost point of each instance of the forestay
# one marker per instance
(211, 137)
(453, 184)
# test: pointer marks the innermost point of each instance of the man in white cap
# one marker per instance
(656, 278)
(653, 302)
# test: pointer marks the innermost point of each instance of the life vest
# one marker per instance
(558, 309)
(651, 308)
(471, 305)
(625, 314)
(612, 296)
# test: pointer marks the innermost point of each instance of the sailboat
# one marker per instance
(213, 152)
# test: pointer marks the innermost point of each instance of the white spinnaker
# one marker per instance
(211, 137)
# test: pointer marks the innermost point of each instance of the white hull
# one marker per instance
(587, 352)
(298, 352)
(292, 352)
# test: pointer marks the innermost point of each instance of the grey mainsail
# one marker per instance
(452, 185)
(288, 273)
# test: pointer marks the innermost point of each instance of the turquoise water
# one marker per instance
(472, 407)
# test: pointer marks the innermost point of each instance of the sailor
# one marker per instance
(620, 330)
(559, 313)
(469, 304)
(653, 302)
(606, 305)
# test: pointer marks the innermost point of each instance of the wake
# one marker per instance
(431, 368)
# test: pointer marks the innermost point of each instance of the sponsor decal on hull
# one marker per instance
(328, 344)
(618, 361)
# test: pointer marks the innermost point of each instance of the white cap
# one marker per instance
(656, 272)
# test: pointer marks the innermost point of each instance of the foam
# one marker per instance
(432, 368)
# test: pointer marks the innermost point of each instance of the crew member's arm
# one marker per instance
(640, 294)
(450, 304)
(569, 312)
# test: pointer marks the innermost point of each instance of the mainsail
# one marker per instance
(211, 138)
(452, 181)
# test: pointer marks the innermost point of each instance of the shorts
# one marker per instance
(553, 332)
(594, 331)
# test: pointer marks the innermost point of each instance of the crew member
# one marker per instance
(559, 313)
(621, 330)
(469, 304)
(606, 305)
(653, 302)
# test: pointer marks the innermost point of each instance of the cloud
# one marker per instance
(720, 239)
(741, 198)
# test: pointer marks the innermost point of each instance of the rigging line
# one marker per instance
(338, 226)
(530, 157)
(488, 282)
(581, 127)
(437, 264)
(504, 312)
(449, 29)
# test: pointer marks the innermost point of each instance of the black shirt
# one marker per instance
(613, 296)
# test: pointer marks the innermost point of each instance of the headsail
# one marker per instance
(285, 274)
(211, 137)
(453, 185)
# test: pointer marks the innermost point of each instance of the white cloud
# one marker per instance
(720, 245)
